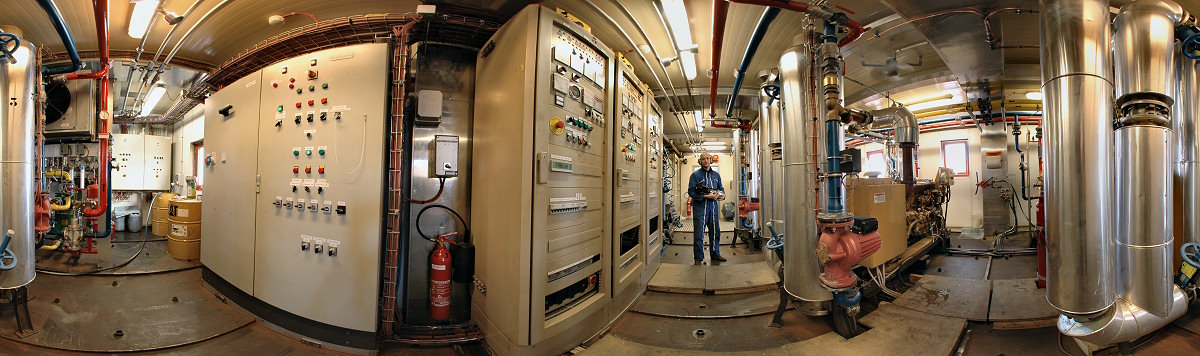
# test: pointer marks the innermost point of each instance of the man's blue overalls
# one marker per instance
(704, 211)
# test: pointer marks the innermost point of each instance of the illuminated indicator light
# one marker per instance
(308, 152)
(324, 100)
(312, 88)
(321, 169)
(307, 169)
(280, 108)
(310, 103)
(299, 90)
(324, 85)
(274, 85)
(291, 86)
(295, 152)
(322, 152)
(296, 169)
(297, 104)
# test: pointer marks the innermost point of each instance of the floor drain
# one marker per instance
(114, 283)
(700, 334)
(56, 301)
(174, 299)
(702, 306)
(118, 334)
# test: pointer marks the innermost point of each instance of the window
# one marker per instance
(955, 157)
(876, 162)
(197, 162)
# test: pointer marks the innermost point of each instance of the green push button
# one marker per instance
(299, 90)
(280, 108)
(295, 152)
(308, 152)
(321, 151)
(324, 85)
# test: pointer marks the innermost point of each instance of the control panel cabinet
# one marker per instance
(629, 171)
(320, 206)
(541, 196)
(654, 188)
(294, 195)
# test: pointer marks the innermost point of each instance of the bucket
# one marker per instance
(120, 224)
(133, 222)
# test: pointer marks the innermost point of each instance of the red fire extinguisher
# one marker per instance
(439, 278)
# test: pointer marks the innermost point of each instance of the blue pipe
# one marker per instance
(830, 33)
(755, 39)
(65, 34)
(833, 161)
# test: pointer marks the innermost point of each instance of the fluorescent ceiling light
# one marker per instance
(677, 17)
(688, 60)
(699, 122)
(1034, 95)
(143, 14)
(710, 143)
(152, 99)
(932, 104)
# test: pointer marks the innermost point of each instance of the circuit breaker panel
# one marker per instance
(541, 195)
(654, 187)
(629, 171)
(317, 216)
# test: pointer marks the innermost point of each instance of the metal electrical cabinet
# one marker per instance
(129, 153)
(654, 188)
(227, 214)
(629, 171)
(308, 134)
(157, 172)
(320, 207)
(540, 202)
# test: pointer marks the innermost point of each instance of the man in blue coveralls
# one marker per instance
(705, 189)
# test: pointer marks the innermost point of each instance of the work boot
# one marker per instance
(718, 258)
(699, 262)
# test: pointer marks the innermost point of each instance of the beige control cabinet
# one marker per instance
(654, 188)
(629, 198)
(541, 193)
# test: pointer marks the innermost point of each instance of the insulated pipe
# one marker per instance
(1144, 53)
(1078, 163)
(720, 11)
(1187, 150)
(767, 194)
(801, 268)
(102, 205)
(64, 33)
(831, 83)
(100, 9)
(760, 30)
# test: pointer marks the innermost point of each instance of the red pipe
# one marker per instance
(101, 11)
(720, 11)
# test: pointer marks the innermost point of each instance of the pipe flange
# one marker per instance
(835, 220)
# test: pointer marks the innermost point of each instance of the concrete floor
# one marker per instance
(80, 314)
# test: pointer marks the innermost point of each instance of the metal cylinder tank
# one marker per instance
(800, 268)
(1078, 155)
(772, 183)
(18, 81)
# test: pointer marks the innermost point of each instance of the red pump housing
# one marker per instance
(840, 249)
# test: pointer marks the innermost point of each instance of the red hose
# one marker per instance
(101, 11)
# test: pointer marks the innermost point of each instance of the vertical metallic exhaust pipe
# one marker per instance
(1187, 150)
(800, 268)
(1078, 163)
(1144, 55)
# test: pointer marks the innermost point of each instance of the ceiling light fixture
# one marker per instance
(143, 14)
(697, 117)
(153, 98)
(933, 104)
(677, 18)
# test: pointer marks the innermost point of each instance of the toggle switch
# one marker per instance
(312, 206)
(278, 201)
(324, 115)
(297, 119)
(332, 251)
(294, 188)
(307, 189)
(304, 245)
(320, 190)
(341, 208)
(310, 117)
(279, 123)
(317, 248)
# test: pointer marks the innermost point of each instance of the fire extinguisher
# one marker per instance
(439, 278)
(689, 206)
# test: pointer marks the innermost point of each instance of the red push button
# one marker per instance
(321, 169)
(310, 103)
(324, 100)
(560, 124)
(291, 86)
(274, 85)
(296, 169)
(307, 169)
(293, 80)
(297, 104)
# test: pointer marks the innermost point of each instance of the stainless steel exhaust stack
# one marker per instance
(800, 268)
(1144, 56)
(1187, 149)
(1078, 162)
